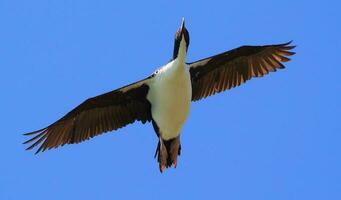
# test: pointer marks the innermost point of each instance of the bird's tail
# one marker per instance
(167, 152)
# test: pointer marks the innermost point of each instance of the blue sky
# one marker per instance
(276, 137)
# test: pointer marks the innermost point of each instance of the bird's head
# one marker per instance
(181, 39)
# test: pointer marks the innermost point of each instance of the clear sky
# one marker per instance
(273, 138)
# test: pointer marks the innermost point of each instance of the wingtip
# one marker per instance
(27, 141)
(33, 132)
(29, 148)
(30, 133)
(40, 149)
(286, 43)
(287, 46)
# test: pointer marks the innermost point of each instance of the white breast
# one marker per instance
(170, 96)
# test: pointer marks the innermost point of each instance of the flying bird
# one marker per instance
(164, 98)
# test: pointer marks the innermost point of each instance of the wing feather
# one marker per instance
(97, 115)
(232, 68)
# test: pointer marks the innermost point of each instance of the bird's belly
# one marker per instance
(170, 101)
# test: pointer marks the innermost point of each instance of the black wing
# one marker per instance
(229, 69)
(97, 115)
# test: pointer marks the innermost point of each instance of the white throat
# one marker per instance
(182, 51)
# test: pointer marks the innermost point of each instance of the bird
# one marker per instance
(164, 98)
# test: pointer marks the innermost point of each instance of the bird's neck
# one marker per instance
(181, 57)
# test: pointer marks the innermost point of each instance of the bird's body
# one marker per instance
(164, 98)
(170, 96)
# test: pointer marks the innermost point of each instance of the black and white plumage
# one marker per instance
(164, 98)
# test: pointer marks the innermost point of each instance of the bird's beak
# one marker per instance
(182, 27)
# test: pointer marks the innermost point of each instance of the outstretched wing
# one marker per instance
(232, 68)
(103, 113)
